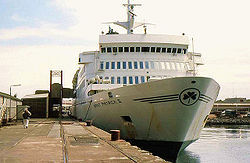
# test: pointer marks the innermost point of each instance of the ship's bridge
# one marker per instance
(113, 43)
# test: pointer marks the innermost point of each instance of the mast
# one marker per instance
(130, 24)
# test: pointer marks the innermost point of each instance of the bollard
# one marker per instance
(89, 122)
(115, 135)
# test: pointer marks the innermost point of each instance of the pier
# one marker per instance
(51, 140)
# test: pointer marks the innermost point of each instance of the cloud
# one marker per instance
(17, 18)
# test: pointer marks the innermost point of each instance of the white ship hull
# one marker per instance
(171, 110)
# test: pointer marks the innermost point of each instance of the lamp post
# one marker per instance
(15, 85)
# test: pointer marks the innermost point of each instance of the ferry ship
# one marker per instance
(145, 85)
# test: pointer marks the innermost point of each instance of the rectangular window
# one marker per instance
(146, 65)
(141, 65)
(130, 80)
(136, 80)
(158, 50)
(124, 79)
(132, 49)
(118, 65)
(179, 50)
(118, 80)
(129, 65)
(152, 65)
(163, 65)
(163, 50)
(79, 60)
(157, 65)
(101, 65)
(126, 49)
(182, 66)
(142, 79)
(167, 65)
(103, 50)
(120, 49)
(135, 65)
(152, 49)
(178, 66)
(184, 51)
(145, 49)
(124, 65)
(109, 50)
(174, 50)
(112, 65)
(112, 80)
(138, 49)
(169, 50)
(114, 49)
(107, 65)
(172, 65)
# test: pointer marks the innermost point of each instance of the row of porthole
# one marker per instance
(143, 49)
(126, 79)
(144, 65)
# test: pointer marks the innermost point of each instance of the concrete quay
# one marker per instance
(48, 140)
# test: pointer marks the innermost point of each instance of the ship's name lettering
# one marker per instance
(104, 103)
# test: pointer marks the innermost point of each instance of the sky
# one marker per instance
(37, 36)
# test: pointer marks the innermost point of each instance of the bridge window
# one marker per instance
(138, 49)
(130, 65)
(114, 49)
(107, 65)
(124, 79)
(158, 50)
(118, 65)
(112, 65)
(145, 49)
(184, 51)
(118, 80)
(179, 50)
(174, 50)
(109, 50)
(152, 49)
(169, 50)
(135, 65)
(124, 65)
(103, 50)
(120, 49)
(141, 65)
(132, 49)
(126, 49)
(130, 80)
(136, 80)
(163, 50)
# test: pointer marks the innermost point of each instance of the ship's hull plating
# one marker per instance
(171, 110)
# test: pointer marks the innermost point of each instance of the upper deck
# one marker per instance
(144, 39)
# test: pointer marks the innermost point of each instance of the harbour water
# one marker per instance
(219, 144)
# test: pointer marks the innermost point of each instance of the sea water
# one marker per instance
(219, 144)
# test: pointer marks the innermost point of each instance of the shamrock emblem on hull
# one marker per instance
(189, 96)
